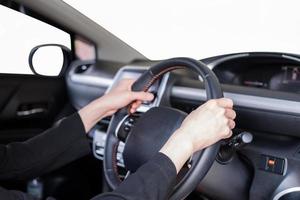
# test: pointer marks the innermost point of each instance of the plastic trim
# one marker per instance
(248, 101)
(286, 191)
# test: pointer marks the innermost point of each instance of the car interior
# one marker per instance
(260, 161)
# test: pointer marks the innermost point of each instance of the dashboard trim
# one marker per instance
(91, 80)
(287, 191)
(291, 57)
(248, 101)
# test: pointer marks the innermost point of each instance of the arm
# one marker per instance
(66, 141)
(57, 146)
(155, 180)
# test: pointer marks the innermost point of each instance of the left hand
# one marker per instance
(119, 97)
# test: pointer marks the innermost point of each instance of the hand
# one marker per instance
(119, 97)
(203, 127)
(209, 123)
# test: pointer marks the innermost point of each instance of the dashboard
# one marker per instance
(278, 74)
(265, 88)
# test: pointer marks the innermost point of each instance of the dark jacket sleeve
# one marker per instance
(59, 145)
(153, 181)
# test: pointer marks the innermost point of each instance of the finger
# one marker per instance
(132, 110)
(228, 135)
(231, 124)
(142, 96)
(225, 102)
(226, 132)
(136, 104)
(229, 113)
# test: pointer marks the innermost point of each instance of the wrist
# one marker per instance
(91, 114)
(178, 149)
(100, 108)
(185, 139)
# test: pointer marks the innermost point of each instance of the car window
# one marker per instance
(19, 33)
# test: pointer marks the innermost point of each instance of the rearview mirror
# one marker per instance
(49, 59)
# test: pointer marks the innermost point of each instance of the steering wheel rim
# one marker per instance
(202, 160)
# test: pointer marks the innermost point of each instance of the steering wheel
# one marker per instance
(154, 127)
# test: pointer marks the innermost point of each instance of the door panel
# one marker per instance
(28, 105)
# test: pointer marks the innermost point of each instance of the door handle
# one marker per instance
(22, 113)
(28, 109)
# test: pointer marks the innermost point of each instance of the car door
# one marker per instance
(29, 103)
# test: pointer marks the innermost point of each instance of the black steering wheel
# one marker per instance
(154, 128)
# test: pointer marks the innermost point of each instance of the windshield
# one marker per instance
(198, 29)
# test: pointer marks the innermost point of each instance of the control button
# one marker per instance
(272, 164)
(126, 129)
(131, 120)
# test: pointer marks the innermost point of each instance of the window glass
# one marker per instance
(19, 33)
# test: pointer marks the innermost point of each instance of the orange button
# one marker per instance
(271, 162)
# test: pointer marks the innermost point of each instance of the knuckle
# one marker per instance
(225, 120)
(233, 124)
(230, 102)
(212, 103)
(229, 134)
(221, 111)
(234, 114)
(226, 131)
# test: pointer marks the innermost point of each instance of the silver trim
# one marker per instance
(31, 111)
(290, 57)
(119, 125)
(248, 101)
(121, 71)
(99, 141)
(91, 80)
(286, 191)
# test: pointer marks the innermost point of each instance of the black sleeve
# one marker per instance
(57, 146)
(152, 181)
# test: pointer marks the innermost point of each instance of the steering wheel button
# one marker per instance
(126, 128)
(131, 120)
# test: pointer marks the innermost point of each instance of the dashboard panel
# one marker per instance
(268, 72)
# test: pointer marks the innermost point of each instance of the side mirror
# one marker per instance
(49, 59)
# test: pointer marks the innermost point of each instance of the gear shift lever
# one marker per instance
(227, 151)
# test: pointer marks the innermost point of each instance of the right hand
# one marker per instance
(208, 124)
